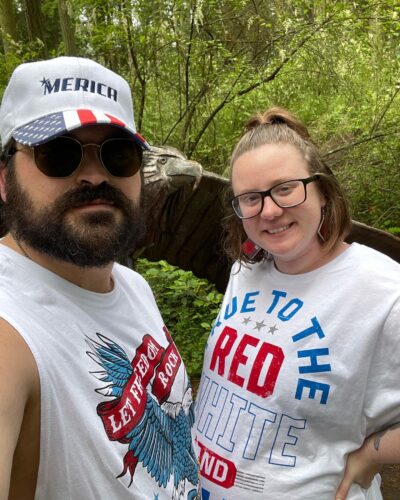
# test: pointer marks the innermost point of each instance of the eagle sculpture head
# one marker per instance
(166, 168)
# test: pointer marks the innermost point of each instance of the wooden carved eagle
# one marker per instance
(185, 207)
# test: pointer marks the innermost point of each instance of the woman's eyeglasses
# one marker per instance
(285, 195)
(60, 157)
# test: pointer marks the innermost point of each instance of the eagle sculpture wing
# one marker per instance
(186, 205)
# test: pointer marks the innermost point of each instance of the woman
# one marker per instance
(301, 372)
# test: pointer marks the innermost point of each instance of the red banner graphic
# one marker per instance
(121, 415)
(215, 468)
(166, 373)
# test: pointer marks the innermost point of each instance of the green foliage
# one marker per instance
(199, 69)
(188, 306)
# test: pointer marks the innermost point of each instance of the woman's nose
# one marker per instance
(270, 209)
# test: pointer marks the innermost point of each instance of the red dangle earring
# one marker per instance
(250, 249)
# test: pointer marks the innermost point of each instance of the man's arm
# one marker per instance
(17, 381)
(378, 450)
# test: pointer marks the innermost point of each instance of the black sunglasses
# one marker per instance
(60, 157)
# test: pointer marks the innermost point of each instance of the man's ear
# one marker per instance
(3, 181)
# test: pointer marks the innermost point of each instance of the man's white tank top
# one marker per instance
(116, 407)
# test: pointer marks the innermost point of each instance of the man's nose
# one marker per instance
(91, 169)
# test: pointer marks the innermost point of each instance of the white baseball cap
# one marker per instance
(45, 99)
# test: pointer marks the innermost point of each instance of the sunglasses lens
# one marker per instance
(121, 157)
(59, 157)
(62, 156)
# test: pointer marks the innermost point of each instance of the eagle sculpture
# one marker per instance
(185, 207)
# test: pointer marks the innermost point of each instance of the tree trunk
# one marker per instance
(67, 31)
(7, 24)
(34, 23)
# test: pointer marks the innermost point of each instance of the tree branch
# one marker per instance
(140, 77)
(357, 143)
(385, 110)
(230, 97)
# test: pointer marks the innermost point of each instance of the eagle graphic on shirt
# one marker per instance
(157, 431)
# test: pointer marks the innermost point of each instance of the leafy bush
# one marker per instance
(188, 306)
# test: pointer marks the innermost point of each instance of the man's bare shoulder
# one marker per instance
(16, 358)
(20, 394)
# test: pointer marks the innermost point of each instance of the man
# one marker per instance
(95, 401)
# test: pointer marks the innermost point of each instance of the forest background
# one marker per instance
(198, 69)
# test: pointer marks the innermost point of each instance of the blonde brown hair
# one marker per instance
(279, 126)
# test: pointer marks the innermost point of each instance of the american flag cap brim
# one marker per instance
(53, 125)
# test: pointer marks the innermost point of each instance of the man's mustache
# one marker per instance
(87, 194)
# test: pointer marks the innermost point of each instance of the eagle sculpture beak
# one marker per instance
(167, 168)
(183, 172)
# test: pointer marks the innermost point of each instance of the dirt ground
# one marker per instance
(391, 482)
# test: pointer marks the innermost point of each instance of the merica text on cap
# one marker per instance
(76, 84)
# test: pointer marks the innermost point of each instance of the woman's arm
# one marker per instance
(379, 449)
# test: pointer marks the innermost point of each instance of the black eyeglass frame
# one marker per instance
(10, 152)
(268, 192)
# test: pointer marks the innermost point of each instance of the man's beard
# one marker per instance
(95, 239)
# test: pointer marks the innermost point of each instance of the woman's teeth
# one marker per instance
(278, 229)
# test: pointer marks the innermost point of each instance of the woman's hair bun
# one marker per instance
(278, 116)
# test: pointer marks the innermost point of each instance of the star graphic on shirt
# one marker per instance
(272, 329)
(259, 325)
(246, 320)
(45, 81)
